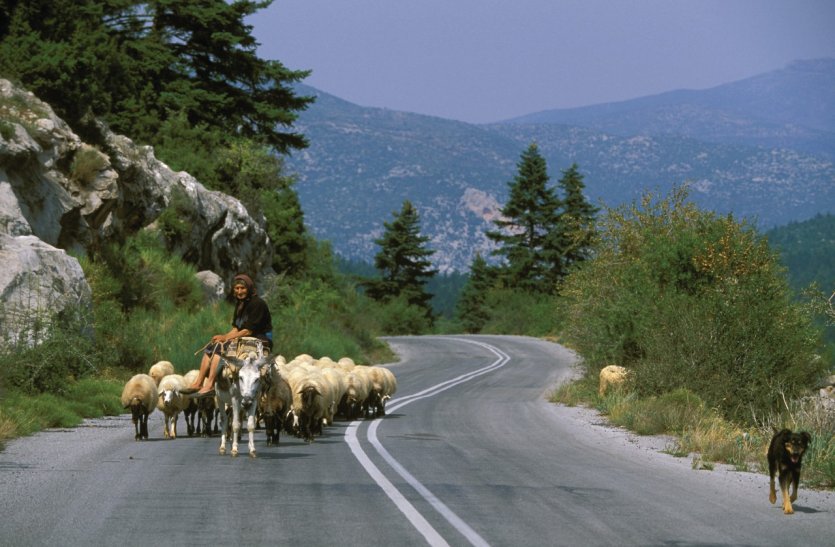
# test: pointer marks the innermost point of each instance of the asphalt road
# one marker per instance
(470, 453)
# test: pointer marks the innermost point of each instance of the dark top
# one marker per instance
(254, 316)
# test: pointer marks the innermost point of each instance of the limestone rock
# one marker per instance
(60, 194)
(37, 283)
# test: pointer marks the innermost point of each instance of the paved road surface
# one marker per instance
(470, 453)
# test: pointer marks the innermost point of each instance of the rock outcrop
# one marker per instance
(59, 195)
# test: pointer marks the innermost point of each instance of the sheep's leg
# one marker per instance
(174, 425)
(143, 425)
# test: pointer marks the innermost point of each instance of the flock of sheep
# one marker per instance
(300, 397)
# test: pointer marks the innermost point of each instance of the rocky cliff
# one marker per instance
(59, 194)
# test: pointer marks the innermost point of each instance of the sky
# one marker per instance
(481, 61)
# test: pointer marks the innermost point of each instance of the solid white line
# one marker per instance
(472, 536)
(443, 386)
(412, 514)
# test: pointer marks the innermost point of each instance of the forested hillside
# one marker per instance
(808, 251)
(739, 146)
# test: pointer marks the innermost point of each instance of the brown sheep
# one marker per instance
(612, 375)
(140, 396)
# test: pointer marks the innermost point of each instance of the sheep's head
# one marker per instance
(169, 396)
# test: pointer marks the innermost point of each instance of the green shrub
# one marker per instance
(86, 165)
(398, 317)
(322, 316)
(63, 353)
(688, 299)
(174, 222)
(578, 392)
(93, 397)
(519, 312)
(7, 130)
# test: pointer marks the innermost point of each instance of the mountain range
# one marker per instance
(760, 148)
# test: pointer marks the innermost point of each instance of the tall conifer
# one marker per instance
(471, 310)
(528, 221)
(577, 218)
(403, 261)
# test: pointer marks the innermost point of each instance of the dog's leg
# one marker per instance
(785, 478)
(795, 483)
(772, 493)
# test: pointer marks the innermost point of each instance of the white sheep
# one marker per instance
(160, 370)
(324, 362)
(611, 376)
(171, 402)
(336, 377)
(353, 402)
(140, 395)
(346, 363)
(383, 386)
(390, 388)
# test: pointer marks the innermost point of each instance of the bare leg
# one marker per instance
(212, 366)
(204, 368)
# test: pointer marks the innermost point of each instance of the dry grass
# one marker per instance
(8, 428)
(708, 438)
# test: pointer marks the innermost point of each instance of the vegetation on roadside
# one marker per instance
(704, 435)
(699, 308)
(149, 306)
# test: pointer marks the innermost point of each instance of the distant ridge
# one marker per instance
(760, 148)
(793, 107)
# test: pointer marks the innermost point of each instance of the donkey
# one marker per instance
(238, 386)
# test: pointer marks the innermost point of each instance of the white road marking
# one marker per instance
(413, 515)
(417, 520)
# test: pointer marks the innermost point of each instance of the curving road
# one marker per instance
(470, 453)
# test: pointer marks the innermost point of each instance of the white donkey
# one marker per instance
(238, 387)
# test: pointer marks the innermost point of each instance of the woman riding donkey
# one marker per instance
(251, 319)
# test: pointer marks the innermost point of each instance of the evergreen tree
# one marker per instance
(136, 64)
(528, 224)
(577, 219)
(253, 174)
(403, 261)
(472, 311)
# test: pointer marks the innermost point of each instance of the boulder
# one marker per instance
(37, 283)
(213, 286)
(60, 194)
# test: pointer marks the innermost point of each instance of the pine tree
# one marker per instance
(403, 261)
(135, 64)
(471, 310)
(576, 220)
(527, 225)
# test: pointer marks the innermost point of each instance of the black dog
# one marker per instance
(785, 454)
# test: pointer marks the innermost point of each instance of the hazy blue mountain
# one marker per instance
(791, 108)
(760, 148)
